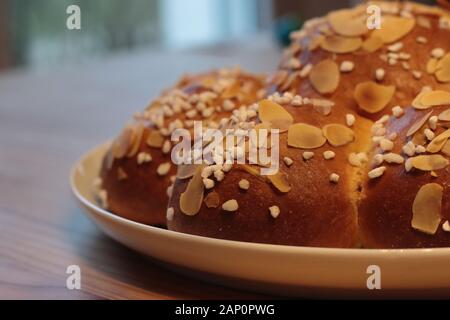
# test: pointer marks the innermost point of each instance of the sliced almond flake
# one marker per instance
(429, 162)
(372, 44)
(185, 171)
(315, 42)
(394, 28)
(286, 85)
(212, 200)
(444, 115)
(372, 97)
(438, 142)
(427, 208)
(446, 149)
(435, 98)
(272, 113)
(443, 73)
(338, 44)
(208, 82)
(191, 199)
(122, 143)
(325, 76)
(138, 132)
(279, 77)
(431, 65)
(348, 22)
(155, 139)
(419, 124)
(423, 22)
(443, 62)
(231, 91)
(338, 135)
(305, 136)
(280, 181)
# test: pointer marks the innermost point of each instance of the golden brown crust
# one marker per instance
(316, 212)
(135, 190)
(385, 211)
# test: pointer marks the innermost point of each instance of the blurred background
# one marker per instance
(33, 34)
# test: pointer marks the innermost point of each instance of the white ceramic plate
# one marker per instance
(273, 269)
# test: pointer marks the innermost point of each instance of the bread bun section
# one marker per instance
(137, 172)
(363, 154)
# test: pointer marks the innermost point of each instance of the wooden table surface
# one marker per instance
(47, 120)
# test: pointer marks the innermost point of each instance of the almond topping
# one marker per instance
(185, 171)
(230, 205)
(377, 172)
(431, 65)
(155, 139)
(348, 22)
(334, 178)
(372, 44)
(446, 149)
(138, 131)
(394, 28)
(191, 199)
(307, 155)
(280, 182)
(358, 159)
(325, 76)
(212, 200)
(443, 69)
(339, 44)
(428, 162)
(350, 119)
(434, 98)
(438, 142)
(163, 169)
(274, 211)
(122, 143)
(275, 115)
(427, 208)
(419, 124)
(445, 115)
(393, 158)
(244, 184)
(347, 66)
(373, 97)
(328, 155)
(305, 136)
(144, 157)
(232, 90)
(338, 135)
(170, 213)
(446, 226)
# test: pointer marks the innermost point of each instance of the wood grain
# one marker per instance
(47, 120)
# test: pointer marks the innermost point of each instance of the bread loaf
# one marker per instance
(137, 172)
(364, 149)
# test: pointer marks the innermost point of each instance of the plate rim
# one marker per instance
(300, 250)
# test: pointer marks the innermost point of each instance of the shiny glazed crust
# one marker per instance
(362, 208)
